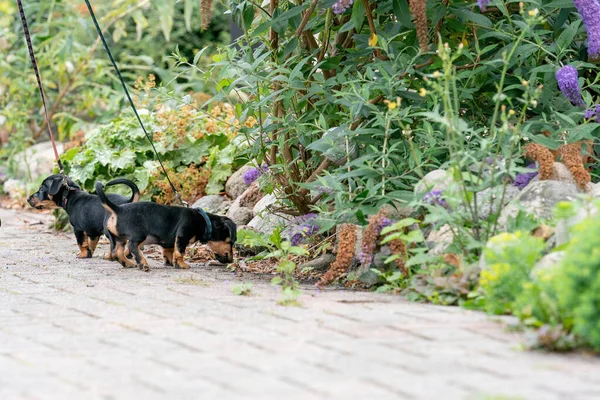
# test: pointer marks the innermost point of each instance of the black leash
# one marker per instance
(112, 60)
(40, 86)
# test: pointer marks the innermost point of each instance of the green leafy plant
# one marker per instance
(577, 283)
(509, 259)
(274, 247)
(197, 151)
(242, 289)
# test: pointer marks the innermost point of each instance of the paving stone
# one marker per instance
(91, 329)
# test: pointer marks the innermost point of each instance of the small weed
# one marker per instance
(191, 280)
(242, 289)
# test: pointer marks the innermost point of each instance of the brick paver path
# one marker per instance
(72, 329)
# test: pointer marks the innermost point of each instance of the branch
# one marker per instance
(306, 18)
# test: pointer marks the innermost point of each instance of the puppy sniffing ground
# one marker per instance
(171, 227)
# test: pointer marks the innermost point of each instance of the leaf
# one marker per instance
(165, 17)
(582, 132)
(373, 40)
(187, 14)
(358, 14)
(402, 12)
(566, 37)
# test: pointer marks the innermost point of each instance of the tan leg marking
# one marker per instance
(178, 258)
(144, 263)
(126, 263)
(84, 248)
(111, 223)
(168, 256)
(93, 244)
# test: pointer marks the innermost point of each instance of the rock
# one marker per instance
(439, 240)
(488, 200)
(240, 215)
(593, 189)
(235, 185)
(240, 210)
(15, 189)
(251, 196)
(267, 223)
(539, 199)
(561, 173)
(384, 252)
(263, 204)
(397, 210)
(437, 179)
(547, 263)
(320, 263)
(37, 160)
(562, 233)
(264, 220)
(213, 204)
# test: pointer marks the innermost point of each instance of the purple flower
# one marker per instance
(304, 227)
(341, 5)
(435, 197)
(567, 82)
(593, 112)
(251, 175)
(523, 179)
(590, 15)
(483, 4)
(364, 259)
(384, 223)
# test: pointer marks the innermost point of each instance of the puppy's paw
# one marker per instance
(128, 264)
(110, 257)
(143, 267)
(168, 262)
(84, 254)
(182, 264)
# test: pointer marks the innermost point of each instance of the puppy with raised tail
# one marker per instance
(86, 214)
(171, 227)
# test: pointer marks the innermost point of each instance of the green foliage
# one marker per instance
(194, 148)
(577, 282)
(79, 82)
(242, 289)
(343, 107)
(509, 260)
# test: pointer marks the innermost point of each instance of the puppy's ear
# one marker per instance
(231, 226)
(55, 186)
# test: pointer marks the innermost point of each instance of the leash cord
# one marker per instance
(39, 82)
(112, 60)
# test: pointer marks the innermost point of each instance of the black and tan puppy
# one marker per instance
(86, 213)
(171, 227)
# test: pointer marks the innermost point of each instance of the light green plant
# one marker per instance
(242, 289)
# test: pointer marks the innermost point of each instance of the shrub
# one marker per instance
(509, 259)
(577, 282)
(197, 150)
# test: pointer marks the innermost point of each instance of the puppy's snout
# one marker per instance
(32, 200)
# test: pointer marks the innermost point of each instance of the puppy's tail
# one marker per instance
(135, 191)
(106, 203)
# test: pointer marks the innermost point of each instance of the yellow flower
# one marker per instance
(525, 83)
(511, 112)
(392, 105)
(423, 92)
(436, 74)
(373, 40)
(534, 12)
